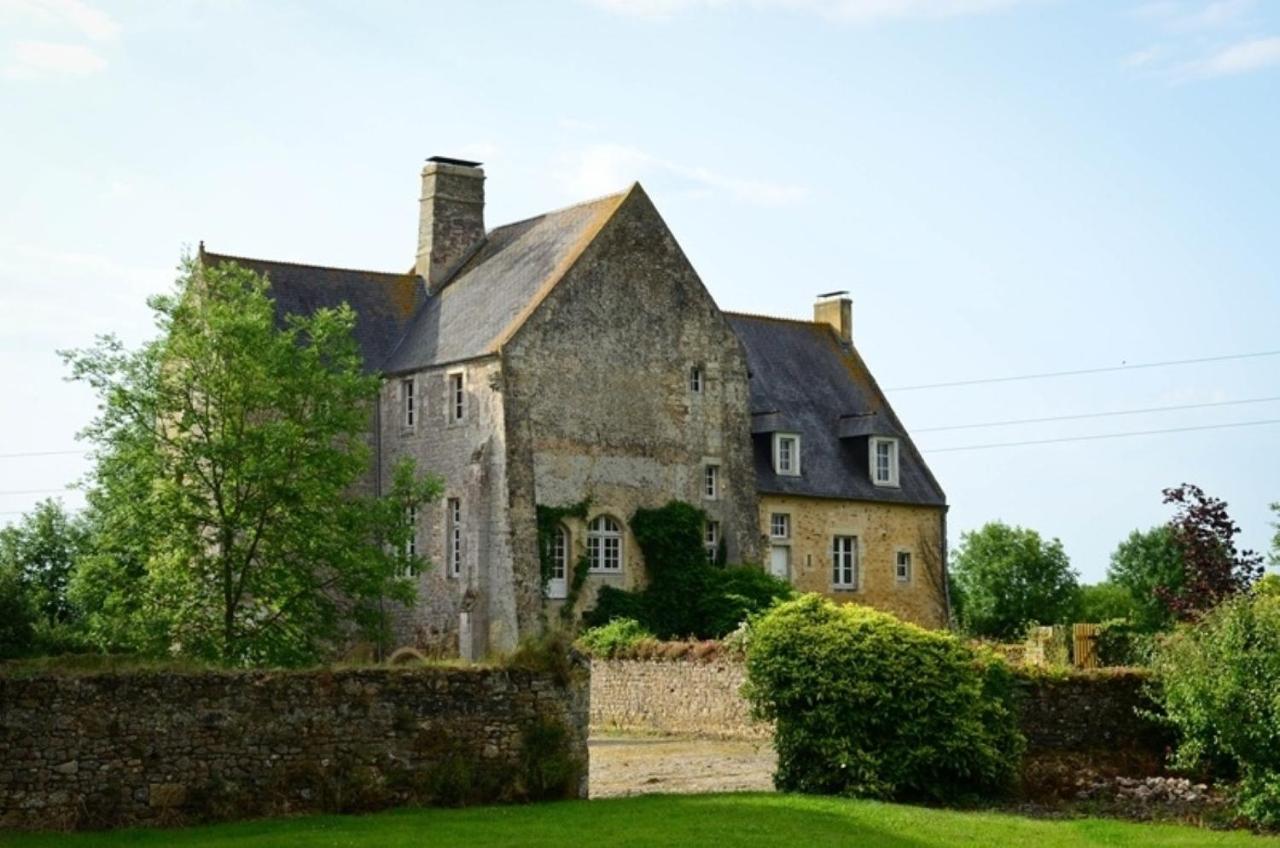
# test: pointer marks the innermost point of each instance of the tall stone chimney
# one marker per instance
(835, 308)
(451, 218)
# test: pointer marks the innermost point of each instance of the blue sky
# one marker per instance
(1005, 186)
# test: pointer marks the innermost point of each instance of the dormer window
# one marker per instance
(884, 461)
(786, 454)
(695, 380)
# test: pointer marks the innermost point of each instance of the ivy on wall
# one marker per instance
(550, 518)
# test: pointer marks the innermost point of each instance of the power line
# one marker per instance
(1102, 370)
(42, 453)
(1014, 421)
(1102, 436)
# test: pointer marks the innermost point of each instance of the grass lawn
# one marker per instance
(718, 821)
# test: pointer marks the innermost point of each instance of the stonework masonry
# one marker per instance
(164, 747)
(883, 530)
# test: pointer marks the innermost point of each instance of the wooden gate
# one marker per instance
(1084, 645)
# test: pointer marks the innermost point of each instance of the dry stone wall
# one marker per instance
(164, 747)
(673, 697)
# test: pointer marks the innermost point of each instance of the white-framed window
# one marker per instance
(780, 525)
(558, 583)
(786, 454)
(411, 518)
(902, 567)
(604, 544)
(711, 541)
(695, 380)
(457, 396)
(408, 405)
(844, 562)
(453, 533)
(711, 481)
(884, 461)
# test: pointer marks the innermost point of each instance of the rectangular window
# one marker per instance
(844, 562)
(786, 454)
(695, 380)
(711, 541)
(780, 525)
(411, 516)
(457, 397)
(455, 536)
(884, 462)
(407, 402)
(711, 481)
(902, 567)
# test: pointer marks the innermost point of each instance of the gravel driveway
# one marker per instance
(634, 765)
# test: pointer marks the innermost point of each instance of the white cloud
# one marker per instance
(1143, 58)
(1243, 57)
(89, 21)
(602, 168)
(856, 11)
(32, 59)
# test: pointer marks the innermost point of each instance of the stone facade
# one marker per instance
(126, 748)
(680, 698)
(883, 530)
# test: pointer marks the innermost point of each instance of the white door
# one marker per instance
(780, 562)
(558, 584)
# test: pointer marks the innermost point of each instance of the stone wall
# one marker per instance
(166, 747)
(1078, 711)
(678, 697)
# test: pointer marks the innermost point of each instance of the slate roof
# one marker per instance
(490, 295)
(804, 380)
(383, 303)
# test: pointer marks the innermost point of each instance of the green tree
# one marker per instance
(230, 456)
(1010, 578)
(40, 551)
(1275, 540)
(1149, 565)
(17, 616)
(1105, 601)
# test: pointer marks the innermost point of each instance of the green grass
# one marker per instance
(740, 821)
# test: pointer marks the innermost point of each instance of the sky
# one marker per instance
(1005, 187)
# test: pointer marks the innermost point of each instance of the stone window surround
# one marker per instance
(857, 553)
(898, 578)
(774, 537)
(711, 480)
(602, 536)
(794, 470)
(711, 539)
(453, 537)
(455, 386)
(408, 404)
(561, 554)
(697, 380)
(874, 444)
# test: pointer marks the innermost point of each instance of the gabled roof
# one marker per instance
(804, 380)
(383, 303)
(497, 288)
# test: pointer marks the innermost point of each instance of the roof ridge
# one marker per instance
(590, 201)
(308, 265)
(760, 315)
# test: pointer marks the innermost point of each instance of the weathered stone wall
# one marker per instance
(163, 747)
(1078, 712)
(1090, 710)
(882, 529)
(598, 395)
(470, 457)
(677, 697)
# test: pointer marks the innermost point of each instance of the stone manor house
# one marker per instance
(577, 355)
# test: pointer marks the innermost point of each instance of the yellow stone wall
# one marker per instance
(882, 529)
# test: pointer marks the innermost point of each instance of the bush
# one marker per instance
(17, 617)
(609, 640)
(1121, 643)
(1219, 680)
(868, 705)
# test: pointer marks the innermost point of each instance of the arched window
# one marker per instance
(558, 582)
(604, 544)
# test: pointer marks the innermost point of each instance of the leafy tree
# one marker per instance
(1215, 569)
(1105, 601)
(17, 617)
(230, 453)
(1150, 565)
(1011, 578)
(1275, 540)
(40, 550)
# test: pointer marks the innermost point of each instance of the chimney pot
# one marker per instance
(451, 218)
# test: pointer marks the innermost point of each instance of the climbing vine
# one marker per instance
(549, 520)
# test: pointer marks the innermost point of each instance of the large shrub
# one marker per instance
(608, 640)
(868, 705)
(1220, 687)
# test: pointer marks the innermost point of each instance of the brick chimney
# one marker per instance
(836, 309)
(451, 218)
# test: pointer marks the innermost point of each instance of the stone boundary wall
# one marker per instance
(1075, 711)
(111, 749)
(677, 697)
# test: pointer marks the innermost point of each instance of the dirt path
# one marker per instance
(634, 765)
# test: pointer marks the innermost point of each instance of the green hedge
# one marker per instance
(868, 705)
